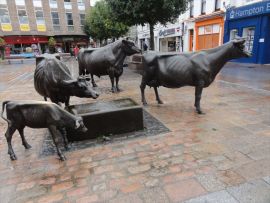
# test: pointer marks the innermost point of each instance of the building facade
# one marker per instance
(30, 23)
(250, 19)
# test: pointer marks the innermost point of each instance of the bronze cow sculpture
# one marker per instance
(53, 79)
(197, 69)
(38, 114)
(107, 60)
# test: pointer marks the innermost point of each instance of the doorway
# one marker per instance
(191, 34)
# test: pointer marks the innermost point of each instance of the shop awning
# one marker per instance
(25, 39)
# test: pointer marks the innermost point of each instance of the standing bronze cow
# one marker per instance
(107, 60)
(53, 79)
(197, 69)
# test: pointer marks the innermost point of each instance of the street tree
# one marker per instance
(99, 24)
(140, 12)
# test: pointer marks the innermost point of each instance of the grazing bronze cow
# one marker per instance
(53, 79)
(107, 60)
(198, 69)
(38, 114)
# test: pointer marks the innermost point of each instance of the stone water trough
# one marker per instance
(107, 118)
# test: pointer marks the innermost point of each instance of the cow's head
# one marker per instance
(80, 88)
(238, 48)
(129, 47)
(79, 125)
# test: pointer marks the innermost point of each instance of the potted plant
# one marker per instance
(51, 44)
(2, 48)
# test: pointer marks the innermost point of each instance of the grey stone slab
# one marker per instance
(210, 182)
(156, 195)
(260, 152)
(131, 198)
(216, 197)
(256, 191)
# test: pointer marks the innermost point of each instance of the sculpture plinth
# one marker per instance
(107, 118)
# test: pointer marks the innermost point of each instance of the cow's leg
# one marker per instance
(45, 98)
(67, 102)
(54, 132)
(157, 96)
(198, 94)
(116, 84)
(142, 86)
(64, 135)
(24, 142)
(9, 133)
(93, 81)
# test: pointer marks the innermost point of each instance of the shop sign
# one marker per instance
(6, 27)
(249, 10)
(25, 27)
(167, 32)
(41, 28)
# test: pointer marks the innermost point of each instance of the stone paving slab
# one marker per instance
(219, 156)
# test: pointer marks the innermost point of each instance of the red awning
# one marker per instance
(25, 39)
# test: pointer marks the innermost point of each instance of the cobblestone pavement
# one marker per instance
(222, 156)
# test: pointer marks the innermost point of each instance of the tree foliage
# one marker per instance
(51, 42)
(99, 24)
(137, 12)
(2, 42)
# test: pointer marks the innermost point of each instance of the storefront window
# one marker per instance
(23, 18)
(203, 8)
(233, 34)
(201, 30)
(249, 33)
(53, 4)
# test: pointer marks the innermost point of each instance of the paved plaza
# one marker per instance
(221, 156)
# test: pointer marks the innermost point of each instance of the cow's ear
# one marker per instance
(38, 59)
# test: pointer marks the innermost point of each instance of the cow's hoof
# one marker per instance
(94, 85)
(119, 90)
(27, 146)
(113, 90)
(13, 157)
(160, 102)
(62, 157)
(199, 112)
(145, 103)
(67, 147)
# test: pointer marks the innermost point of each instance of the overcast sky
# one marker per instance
(93, 2)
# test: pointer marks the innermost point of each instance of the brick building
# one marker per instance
(30, 23)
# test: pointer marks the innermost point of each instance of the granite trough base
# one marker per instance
(152, 127)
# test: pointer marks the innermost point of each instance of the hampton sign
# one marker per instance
(248, 11)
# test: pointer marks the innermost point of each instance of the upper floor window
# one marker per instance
(40, 18)
(37, 3)
(82, 18)
(3, 2)
(81, 5)
(69, 21)
(55, 21)
(203, 8)
(67, 4)
(218, 5)
(4, 15)
(53, 4)
(191, 8)
(20, 2)
(23, 18)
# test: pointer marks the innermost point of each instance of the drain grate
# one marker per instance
(152, 127)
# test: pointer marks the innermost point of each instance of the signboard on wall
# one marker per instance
(24, 27)
(6, 27)
(41, 28)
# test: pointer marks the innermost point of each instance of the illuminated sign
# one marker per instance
(41, 28)
(25, 27)
(6, 27)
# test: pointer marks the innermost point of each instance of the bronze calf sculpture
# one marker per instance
(38, 114)
(197, 69)
(107, 60)
(53, 79)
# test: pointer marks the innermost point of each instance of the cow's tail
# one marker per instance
(2, 113)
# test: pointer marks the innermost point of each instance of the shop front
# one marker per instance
(67, 43)
(170, 40)
(209, 31)
(26, 44)
(253, 23)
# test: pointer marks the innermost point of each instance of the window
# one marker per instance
(81, 5)
(203, 8)
(191, 8)
(37, 3)
(23, 18)
(233, 34)
(3, 2)
(40, 18)
(82, 18)
(4, 15)
(53, 4)
(69, 21)
(67, 4)
(218, 5)
(20, 2)
(55, 21)
(249, 33)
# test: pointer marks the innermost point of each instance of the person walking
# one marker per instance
(76, 52)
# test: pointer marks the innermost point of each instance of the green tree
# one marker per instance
(2, 48)
(99, 24)
(140, 12)
(51, 44)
